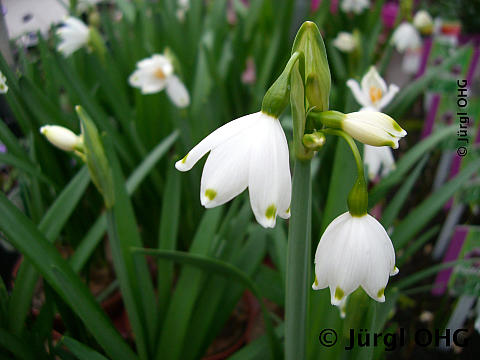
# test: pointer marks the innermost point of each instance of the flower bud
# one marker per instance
(423, 22)
(314, 141)
(317, 72)
(96, 160)
(61, 137)
(369, 127)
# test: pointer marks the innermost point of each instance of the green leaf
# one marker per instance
(189, 284)
(22, 234)
(51, 225)
(416, 245)
(81, 351)
(424, 212)
(167, 237)
(407, 161)
(26, 166)
(220, 268)
(94, 235)
(401, 196)
(16, 346)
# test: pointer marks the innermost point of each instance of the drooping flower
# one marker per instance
(74, 34)
(423, 21)
(356, 6)
(354, 251)
(154, 74)
(406, 37)
(372, 92)
(373, 128)
(61, 137)
(251, 151)
(345, 42)
(379, 160)
(3, 84)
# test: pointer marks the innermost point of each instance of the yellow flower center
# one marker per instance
(375, 94)
(159, 74)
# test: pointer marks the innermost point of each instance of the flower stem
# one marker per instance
(298, 263)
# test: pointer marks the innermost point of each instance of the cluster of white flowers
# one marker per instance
(356, 6)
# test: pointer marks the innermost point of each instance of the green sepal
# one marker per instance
(317, 72)
(95, 157)
(278, 95)
(331, 119)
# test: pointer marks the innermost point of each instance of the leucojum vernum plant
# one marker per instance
(252, 152)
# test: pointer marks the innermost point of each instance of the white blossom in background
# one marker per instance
(154, 74)
(251, 151)
(373, 128)
(373, 94)
(345, 42)
(84, 5)
(3, 84)
(61, 137)
(406, 37)
(354, 251)
(74, 34)
(423, 21)
(182, 7)
(356, 6)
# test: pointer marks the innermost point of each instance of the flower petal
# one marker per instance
(373, 79)
(177, 92)
(388, 96)
(216, 138)
(225, 174)
(372, 159)
(267, 174)
(359, 95)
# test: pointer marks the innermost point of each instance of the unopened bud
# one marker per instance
(61, 137)
(314, 141)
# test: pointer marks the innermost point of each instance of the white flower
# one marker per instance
(373, 128)
(354, 251)
(379, 160)
(423, 21)
(356, 6)
(154, 74)
(84, 5)
(249, 151)
(61, 137)
(74, 35)
(406, 37)
(345, 42)
(182, 7)
(3, 84)
(373, 91)
(411, 61)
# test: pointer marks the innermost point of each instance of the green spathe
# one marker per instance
(317, 73)
(96, 159)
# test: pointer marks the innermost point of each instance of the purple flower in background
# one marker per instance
(3, 148)
(389, 14)
(314, 4)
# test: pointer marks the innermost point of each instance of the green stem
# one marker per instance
(298, 263)
(358, 198)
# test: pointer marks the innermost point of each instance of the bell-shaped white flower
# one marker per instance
(3, 84)
(154, 74)
(373, 91)
(182, 7)
(74, 34)
(373, 128)
(61, 137)
(356, 6)
(406, 37)
(423, 21)
(379, 160)
(354, 251)
(251, 151)
(345, 42)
